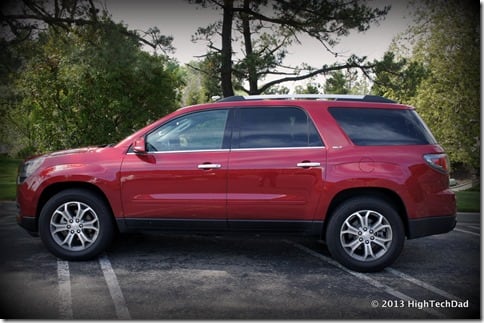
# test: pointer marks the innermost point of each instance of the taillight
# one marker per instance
(438, 162)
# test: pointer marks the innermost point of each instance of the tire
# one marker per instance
(76, 224)
(365, 234)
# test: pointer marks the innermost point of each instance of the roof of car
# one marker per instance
(330, 100)
(335, 97)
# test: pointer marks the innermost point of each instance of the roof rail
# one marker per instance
(336, 97)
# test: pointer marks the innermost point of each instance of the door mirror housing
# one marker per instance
(139, 146)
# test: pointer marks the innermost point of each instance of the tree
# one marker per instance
(398, 78)
(91, 86)
(269, 27)
(194, 92)
(206, 73)
(449, 98)
(277, 89)
(310, 88)
(202, 81)
(336, 84)
(360, 84)
(24, 19)
(440, 74)
(73, 77)
(9, 62)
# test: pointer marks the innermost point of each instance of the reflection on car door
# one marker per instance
(276, 171)
(184, 174)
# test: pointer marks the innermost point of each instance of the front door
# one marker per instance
(183, 175)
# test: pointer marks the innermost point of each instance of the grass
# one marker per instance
(469, 200)
(8, 177)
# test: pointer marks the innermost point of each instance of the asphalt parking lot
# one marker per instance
(161, 277)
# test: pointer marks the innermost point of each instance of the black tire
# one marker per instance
(377, 241)
(76, 224)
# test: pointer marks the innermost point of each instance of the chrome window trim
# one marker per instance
(181, 151)
(279, 148)
(227, 150)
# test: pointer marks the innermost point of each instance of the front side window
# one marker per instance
(195, 131)
(276, 128)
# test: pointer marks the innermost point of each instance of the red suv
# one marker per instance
(360, 172)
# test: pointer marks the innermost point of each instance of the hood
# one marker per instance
(74, 151)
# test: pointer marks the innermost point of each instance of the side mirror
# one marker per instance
(139, 146)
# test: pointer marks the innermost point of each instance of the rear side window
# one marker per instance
(276, 128)
(382, 127)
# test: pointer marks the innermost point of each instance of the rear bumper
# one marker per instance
(429, 226)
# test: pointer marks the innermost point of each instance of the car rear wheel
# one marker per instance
(76, 224)
(365, 234)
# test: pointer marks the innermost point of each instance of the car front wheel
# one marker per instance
(365, 234)
(76, 224)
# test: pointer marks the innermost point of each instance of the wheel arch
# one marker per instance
(382, 193)
(55, 188)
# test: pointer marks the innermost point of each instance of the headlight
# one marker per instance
(27, 168)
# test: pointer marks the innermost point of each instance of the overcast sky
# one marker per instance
(181, 20)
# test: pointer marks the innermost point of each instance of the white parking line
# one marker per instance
(122, 311)
(365, 278)
(477, 227)
(65, 298)
(422, 284)
(468, 232)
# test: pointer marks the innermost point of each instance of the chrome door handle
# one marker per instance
(209, 166)
(308, 164)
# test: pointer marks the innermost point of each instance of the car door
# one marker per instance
(276, 170)
(183, 175)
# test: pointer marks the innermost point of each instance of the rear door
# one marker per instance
(276, 170)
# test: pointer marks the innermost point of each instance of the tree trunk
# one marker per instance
(226, 68)
(249, 52)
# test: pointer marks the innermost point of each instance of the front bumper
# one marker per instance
(430, 226)
(28, 223)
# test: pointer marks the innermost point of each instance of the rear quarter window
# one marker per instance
(382, 127)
